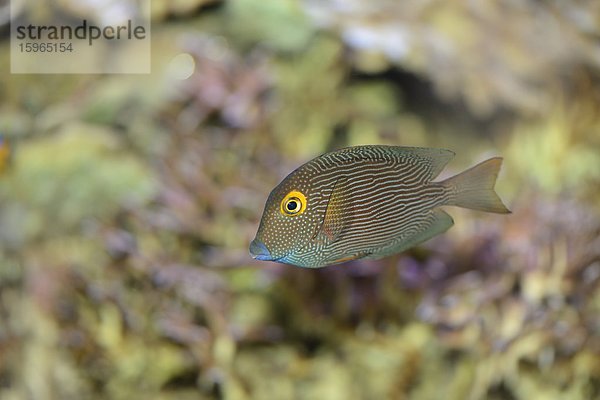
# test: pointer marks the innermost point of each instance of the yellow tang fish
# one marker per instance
(367, 202)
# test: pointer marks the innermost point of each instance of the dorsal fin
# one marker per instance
(438, 158)
(434, 160)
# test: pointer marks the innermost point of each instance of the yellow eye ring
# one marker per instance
(293, 204)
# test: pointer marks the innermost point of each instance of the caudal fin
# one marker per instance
(474, 188)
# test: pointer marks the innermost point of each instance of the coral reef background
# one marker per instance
(127, 203)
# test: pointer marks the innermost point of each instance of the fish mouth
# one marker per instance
(259, 251)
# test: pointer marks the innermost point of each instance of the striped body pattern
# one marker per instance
(366, 201)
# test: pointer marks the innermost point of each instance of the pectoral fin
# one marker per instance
(338, 212)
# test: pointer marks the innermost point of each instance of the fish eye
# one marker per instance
(294, 203)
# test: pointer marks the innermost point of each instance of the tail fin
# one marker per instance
(474, 188)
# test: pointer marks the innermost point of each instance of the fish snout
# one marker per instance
(259, 251)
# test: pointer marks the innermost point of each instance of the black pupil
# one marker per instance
(292, 205)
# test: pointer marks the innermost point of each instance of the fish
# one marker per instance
(369, 202)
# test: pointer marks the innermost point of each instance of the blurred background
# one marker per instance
(127, 203)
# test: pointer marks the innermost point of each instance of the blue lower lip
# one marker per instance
(259, 251)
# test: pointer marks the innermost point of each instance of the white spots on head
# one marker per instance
(284, 235)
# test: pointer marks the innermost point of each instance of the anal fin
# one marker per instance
(350, 258)
(438, 222)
